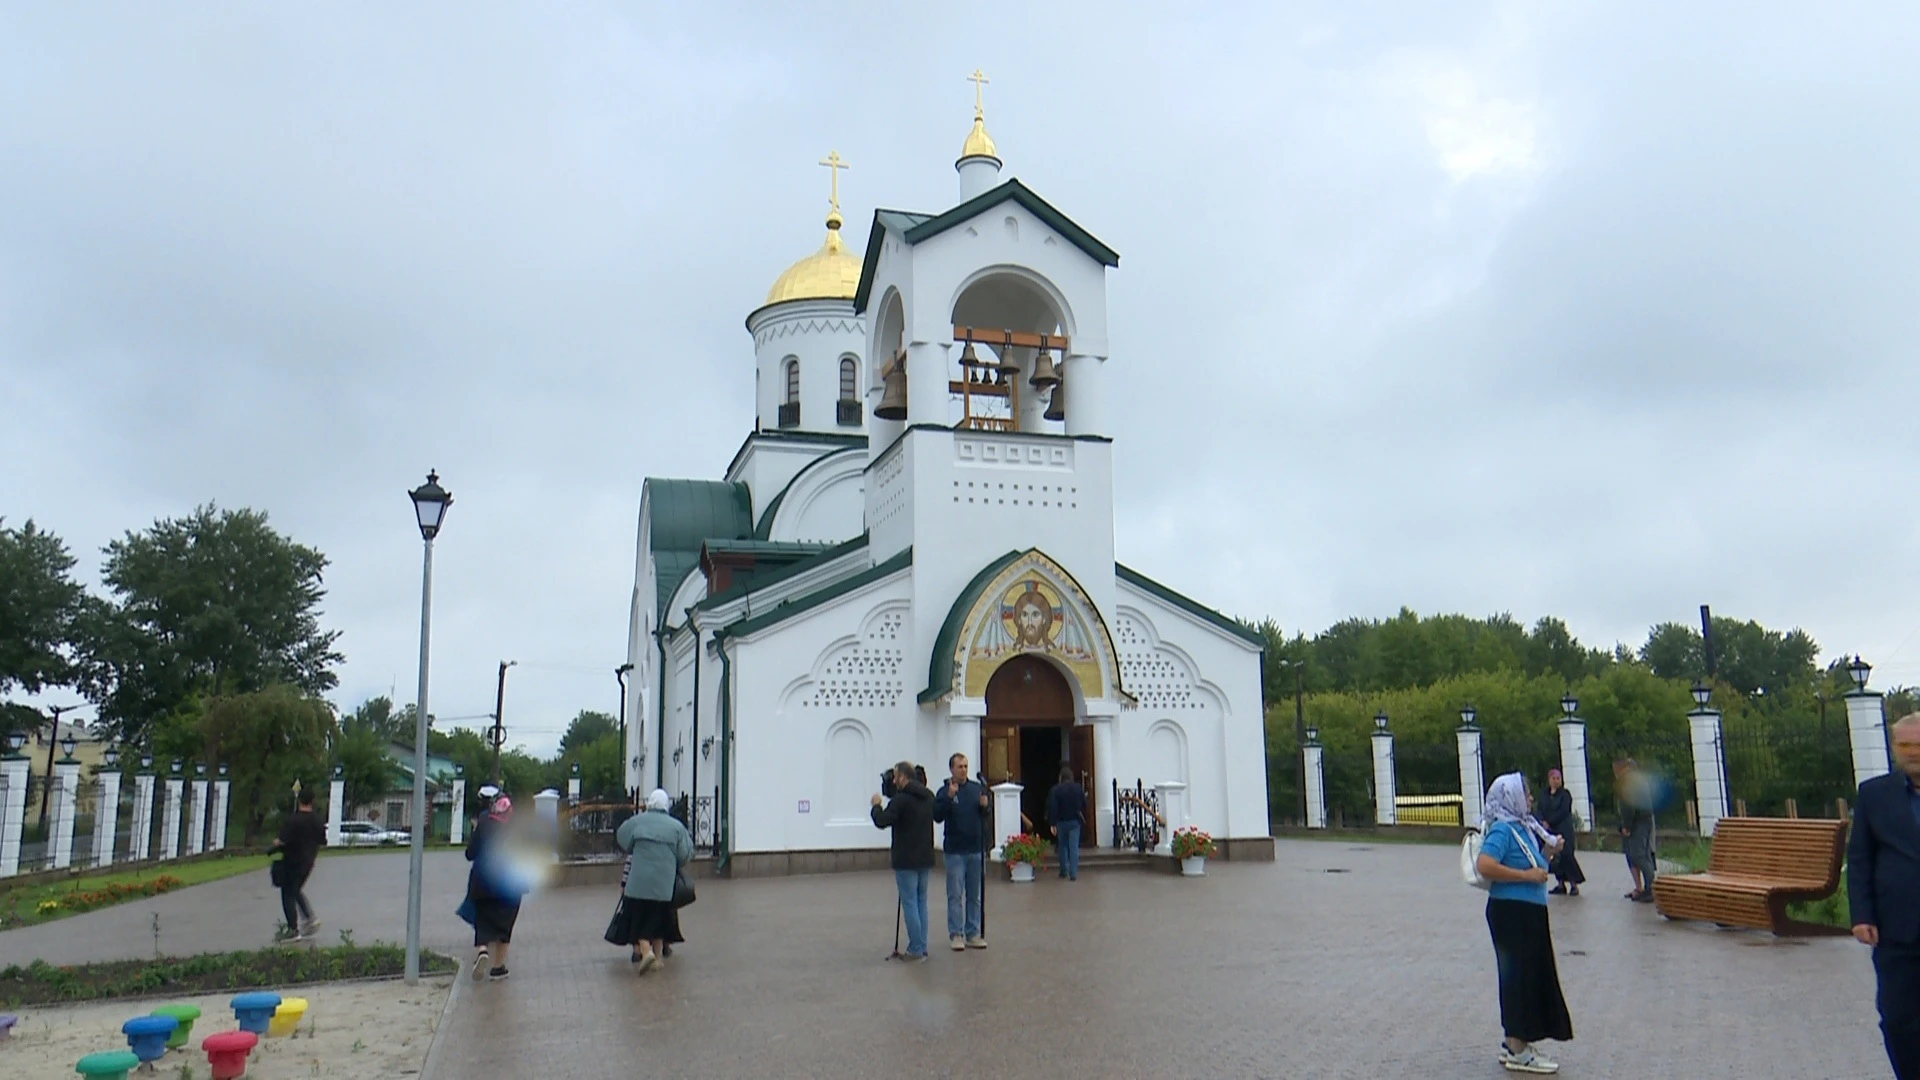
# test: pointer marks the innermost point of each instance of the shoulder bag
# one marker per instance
(1470, 857)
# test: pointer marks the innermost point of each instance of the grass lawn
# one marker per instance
(42, 983)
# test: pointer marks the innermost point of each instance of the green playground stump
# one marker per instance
(186, 1014)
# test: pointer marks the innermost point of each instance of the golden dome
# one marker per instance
(832, 273)
(979, 143)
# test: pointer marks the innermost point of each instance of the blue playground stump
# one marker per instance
(147, 1036)
(254, 1011)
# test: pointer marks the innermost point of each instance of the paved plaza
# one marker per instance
(1340, 959)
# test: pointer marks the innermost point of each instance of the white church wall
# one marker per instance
(818, 334)
(692, 590)
(768, 465)
(675, 776)
(825, 503)
(823, 703)
(1009, 237)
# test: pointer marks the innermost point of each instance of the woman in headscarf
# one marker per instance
(492, 898)
(1557, 816)
(659, 846)
(1513, 858)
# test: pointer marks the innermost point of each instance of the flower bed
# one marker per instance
(1190, 843)
(1027, 848)
(41, 983)
(106, 896)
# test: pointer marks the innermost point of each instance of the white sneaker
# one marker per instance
(957, 943)
(480, 965)
(1528, 1060)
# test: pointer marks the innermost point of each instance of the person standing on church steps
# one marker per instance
(909, 813)
(1066, 809)
(962, 804)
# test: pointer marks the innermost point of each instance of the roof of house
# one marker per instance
(685, 514)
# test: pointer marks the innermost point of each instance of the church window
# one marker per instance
(793, 382)
(847, 412)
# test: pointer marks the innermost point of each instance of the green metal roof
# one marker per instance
(917, 227)
(940, 668)
(685, 514)
(1192, 607)
(821, 556)
(806, 602)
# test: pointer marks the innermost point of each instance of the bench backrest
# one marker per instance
(1791, 849)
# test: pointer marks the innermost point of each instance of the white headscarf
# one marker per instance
(659, 800)
(1507, 801)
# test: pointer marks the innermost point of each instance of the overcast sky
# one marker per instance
(1595, 310)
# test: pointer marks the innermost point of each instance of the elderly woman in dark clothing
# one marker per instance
(1556, 813)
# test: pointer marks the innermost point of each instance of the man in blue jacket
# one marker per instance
(962, 804)
(1883, 890)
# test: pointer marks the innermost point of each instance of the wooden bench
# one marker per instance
(1759, 866)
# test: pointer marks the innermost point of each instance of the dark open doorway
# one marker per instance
(1029, 733)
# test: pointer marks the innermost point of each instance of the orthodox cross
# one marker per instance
(978, 79)
(836, 163)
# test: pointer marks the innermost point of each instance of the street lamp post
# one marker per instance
(430, 502)
(53, 736)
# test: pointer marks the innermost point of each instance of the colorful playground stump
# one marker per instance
(7, 1020)
(147, 1036)
(186, 1014)
(227, 1053)
(254, 1011)
(108, 1064)
(287, 1017)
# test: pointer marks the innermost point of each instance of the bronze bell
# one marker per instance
(1044, 373)
(1057, 404)
(893, 394)
(1005, 364)
(970, 359)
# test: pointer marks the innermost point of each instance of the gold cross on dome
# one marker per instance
(834, 161)
(978, 79)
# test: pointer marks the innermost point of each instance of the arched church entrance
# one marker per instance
(1029, 732)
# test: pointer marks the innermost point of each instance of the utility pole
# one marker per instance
(498, 736)
(53, 740)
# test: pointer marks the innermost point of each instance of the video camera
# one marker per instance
(888, 791)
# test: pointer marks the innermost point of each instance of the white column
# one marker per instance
(457, 827)
(221, 790)
(1385, 810)
(1173, 808)
(1006, 815)
(336, 806)
(1573, 770)
(1103, 775)
(927, 394)
(142, 847)
(170, 821)
(13, 812)
(1473, 775)
(196, 817)
(1867, 731)
(66, 794)
(1086, 394)
(106, 817)
(1314, 755)
(1709, 768)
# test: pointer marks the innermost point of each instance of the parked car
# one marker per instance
(355, 833)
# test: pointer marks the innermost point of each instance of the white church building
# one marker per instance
(912, 554)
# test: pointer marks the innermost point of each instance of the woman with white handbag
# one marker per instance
(1512, 861)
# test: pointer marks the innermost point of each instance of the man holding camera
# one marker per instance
(962, 804)
(909, 813)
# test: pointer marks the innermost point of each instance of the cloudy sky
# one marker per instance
(1596, 310)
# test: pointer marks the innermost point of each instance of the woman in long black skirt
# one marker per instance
(1513, 859)
(659, 847)
(492, 901)
(1556, 813)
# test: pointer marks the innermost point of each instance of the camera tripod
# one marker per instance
(899, 912)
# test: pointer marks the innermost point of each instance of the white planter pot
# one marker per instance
(1022, 871)
(1194, 867)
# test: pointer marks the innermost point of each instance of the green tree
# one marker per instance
(600, 771)
(587, 728)
(377, 715)
(39, 603)
(367, 768)
(216, 603)
(268, 739)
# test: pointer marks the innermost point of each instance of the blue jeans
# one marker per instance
(1069, 836)
(963, 890)
(913, 905)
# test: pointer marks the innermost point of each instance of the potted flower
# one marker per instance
(1023, 852)
(1191, 847)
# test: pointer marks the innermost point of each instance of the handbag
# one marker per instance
(682, 889)
(616, 926)
(1470, 858)
(277, 873)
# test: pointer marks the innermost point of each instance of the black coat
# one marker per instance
(910, 815)
(1556, 812)
(1883, 860)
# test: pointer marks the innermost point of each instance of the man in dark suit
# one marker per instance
(1883, 889)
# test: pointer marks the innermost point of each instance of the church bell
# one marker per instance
(1044, 373)
(893, 393)
(970, 359)
(1005, 364)
(1057, 403)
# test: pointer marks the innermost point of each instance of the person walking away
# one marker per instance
(1636, 827)
(1557, 816)
(1066, 811)
(1883, 892)
(300, 841)
(963, 805)
(909, 813)
(1513, 859)
(492, 899)
(658, 846)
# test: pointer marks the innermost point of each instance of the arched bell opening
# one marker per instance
(1011, 332)
(1029, 732)
(888, 367)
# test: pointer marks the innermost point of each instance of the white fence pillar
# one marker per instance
(1709, 768)
(13, 812)
(1315, 757)
(106, 817)
(336, 807)
(196, 817)
(66, 799)
(1867, 732)
(1573, 771)
(221, 790)
(1006, 815)
(457, 821)
(1473, 774)
(141, 847)
(1173, 807)
(1385, 810)
(170, 821)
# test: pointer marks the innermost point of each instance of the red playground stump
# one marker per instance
(227, 1053)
